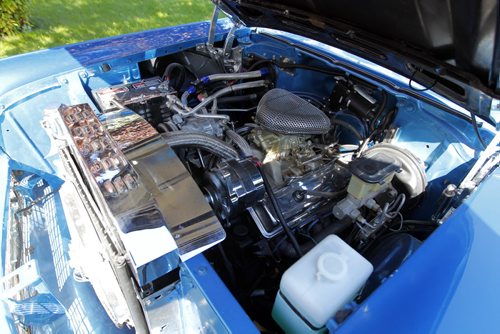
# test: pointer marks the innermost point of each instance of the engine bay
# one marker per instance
(300, 161)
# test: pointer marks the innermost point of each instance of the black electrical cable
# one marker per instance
(412, 79)
(380, 109)
(476, 129)
(259, 63)
(228, 265)
(388, 118)
(279, 213)
(420, 222)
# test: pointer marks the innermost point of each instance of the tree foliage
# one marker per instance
(13, 16)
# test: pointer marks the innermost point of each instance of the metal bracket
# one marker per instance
(213, 26)
(228, 58)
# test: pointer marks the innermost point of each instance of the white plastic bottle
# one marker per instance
(314, 288)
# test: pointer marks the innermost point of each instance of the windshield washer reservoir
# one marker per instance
(315, 287)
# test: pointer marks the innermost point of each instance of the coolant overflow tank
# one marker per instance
(314, 288)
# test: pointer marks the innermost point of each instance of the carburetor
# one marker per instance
(285, 156)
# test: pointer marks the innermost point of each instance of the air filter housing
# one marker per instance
(285, 113)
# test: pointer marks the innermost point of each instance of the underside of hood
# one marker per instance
(448, 42)
(462, 33)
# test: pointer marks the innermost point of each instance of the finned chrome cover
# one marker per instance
(139, 180)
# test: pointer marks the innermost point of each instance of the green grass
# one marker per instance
(59, 22)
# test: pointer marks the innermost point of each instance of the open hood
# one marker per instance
(451, 46)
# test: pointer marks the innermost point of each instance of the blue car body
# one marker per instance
(448, 286)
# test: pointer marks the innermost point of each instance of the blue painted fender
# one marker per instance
(450, 285)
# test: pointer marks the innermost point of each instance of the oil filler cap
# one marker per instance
(331, 266)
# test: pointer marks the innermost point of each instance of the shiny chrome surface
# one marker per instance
(234, 186)
(296, 204)
(125, 94)
(138, 179)
(98, 147)
(178, 198)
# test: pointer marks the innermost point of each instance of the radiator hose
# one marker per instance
(200, 140)
(240, 142)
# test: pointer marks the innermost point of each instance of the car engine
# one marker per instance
(282, 171)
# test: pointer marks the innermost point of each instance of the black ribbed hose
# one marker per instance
(347, 126)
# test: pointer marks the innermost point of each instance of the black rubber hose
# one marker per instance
(279, 213)
(347, 126)
(259, 63)
(286, 248)
(237, 98)
(168, 72)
